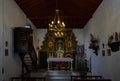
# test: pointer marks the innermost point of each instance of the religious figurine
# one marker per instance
(81, 64)
(51, 46)
(59, 52)
(94, 44)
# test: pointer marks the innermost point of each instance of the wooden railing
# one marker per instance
(88, 78)
(92, 80)
(33, 56)
(28, 79)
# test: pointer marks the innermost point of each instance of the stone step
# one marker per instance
(56, 75)
(59, 77)
(59, 73)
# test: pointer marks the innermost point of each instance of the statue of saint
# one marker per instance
(60, 51)
(51, 46)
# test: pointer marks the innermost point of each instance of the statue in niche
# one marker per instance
(51, 46)
(81, 62)
(60, 50)
(69, 45)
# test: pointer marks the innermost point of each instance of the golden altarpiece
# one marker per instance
(60, 46)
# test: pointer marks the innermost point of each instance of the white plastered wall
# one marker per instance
(104, 23)
(10, 16)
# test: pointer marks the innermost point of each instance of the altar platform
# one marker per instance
(56, 75)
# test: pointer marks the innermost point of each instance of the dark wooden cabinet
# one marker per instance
(23, 39)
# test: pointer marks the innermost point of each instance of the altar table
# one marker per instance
(59, 60)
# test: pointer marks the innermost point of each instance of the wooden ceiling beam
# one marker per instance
(75, 13)
(62, 17)
(44, 26)
(34, 4)
(22, 2)
(74, 23)
(94, 2)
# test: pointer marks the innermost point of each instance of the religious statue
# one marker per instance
(81, 64)
(60, 51)
(51, 46)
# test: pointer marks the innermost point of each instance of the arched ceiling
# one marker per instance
(75, 13)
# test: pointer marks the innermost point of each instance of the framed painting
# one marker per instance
(80, 49)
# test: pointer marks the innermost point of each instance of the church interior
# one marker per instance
(59, 40)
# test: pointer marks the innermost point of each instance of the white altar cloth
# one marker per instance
(59, 60)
